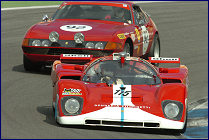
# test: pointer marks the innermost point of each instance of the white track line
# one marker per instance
(29, 7)
(54, 6)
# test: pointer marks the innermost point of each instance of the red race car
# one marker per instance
(120, 91)
(94, 28)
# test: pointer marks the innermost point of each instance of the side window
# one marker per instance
(139, 16)
(135, 18)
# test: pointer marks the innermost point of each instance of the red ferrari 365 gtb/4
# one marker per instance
(94, 28)
(120, 91)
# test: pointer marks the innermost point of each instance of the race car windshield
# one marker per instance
(131, 73)
(94, 12)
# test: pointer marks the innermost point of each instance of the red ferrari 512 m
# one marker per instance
(120, 91)
(94, 28)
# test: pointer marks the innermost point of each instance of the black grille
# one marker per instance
(151, 125)
(58, 51)
(92, 121)
(122, 123)
(95, 53)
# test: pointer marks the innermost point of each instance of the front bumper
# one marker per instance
(135, 118)
(50, 54)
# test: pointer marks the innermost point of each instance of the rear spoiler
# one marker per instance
(164, 60)
(75, 57)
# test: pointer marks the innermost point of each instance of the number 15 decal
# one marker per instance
(122, 91)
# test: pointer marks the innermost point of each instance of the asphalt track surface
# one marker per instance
(26, 97)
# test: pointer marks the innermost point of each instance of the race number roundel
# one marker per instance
(75, 28)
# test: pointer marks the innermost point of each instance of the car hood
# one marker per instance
(102, 30)
(134, 95)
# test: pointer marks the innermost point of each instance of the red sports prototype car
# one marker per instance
(95, 28)
(120, 91)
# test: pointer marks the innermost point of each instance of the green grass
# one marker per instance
(8, 4)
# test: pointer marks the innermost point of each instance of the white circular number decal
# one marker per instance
(145, 35)
(76, 28)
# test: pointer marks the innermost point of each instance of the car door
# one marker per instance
(144, 31)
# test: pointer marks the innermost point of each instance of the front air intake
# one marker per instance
(120, 123)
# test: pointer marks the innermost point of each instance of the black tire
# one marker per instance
(181, 131)
(155, 49)
(30, 66)
(185, 125)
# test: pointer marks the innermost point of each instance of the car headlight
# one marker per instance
(99, 45)
(53, 36)
(90, 45)
(36, 43)
(79, 38)
(72, 106)
(45, 43)
(172, 109)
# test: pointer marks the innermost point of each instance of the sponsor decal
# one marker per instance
(126, 33)
(121, 36)
(76, 55)
(164, 59)
(75, 28)
(124, 106)
(122, 91)
(137, 34)
(133, 37)
(145, 35)
(71, 91)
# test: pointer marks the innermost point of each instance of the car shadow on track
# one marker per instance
(48, 112)
(43, 71)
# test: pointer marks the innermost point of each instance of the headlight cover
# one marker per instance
(172, 109)
(45, 43)
(54, 36)
(99, 45)
(79, 38)
(36, 43)
(90, 45)
(71, 105)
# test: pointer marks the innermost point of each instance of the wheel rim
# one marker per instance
(127, 49)
(157, 50)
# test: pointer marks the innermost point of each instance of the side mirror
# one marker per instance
(45, 18)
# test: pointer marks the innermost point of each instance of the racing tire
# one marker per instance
(155, 49)
(127, 48)
(185, 126)
(30, 66)
(181, 131)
